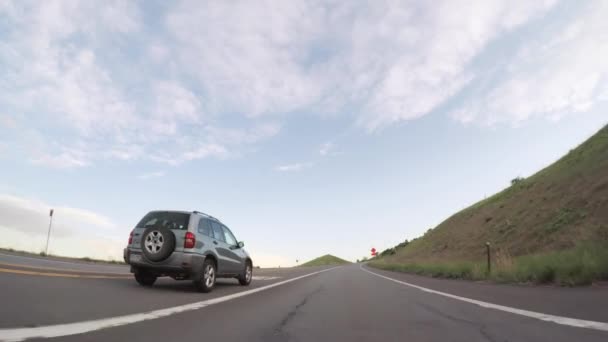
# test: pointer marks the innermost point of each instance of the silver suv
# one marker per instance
(186, 246)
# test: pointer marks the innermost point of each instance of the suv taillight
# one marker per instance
(190, 240)
(131, 238)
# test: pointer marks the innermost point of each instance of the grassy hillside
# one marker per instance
(326, 260)
(564, 207)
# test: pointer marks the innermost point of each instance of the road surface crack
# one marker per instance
(480, 326)
(279, 331)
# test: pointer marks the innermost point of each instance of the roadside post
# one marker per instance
(489, 259)
(48, 235)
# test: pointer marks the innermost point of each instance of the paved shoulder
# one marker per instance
(587, 303)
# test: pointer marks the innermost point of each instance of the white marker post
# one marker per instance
(48, 236)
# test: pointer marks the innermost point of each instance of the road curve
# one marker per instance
(343, 304)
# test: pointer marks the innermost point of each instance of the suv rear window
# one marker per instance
(167, 219)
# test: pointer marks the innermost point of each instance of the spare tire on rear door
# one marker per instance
(157, 243)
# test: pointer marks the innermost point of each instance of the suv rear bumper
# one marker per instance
(176, 263)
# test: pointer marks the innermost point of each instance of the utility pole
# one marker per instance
(48, 236)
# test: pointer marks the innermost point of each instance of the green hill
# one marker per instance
(561, 209)
(326, 260)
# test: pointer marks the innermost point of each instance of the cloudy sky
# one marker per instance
(308, 127)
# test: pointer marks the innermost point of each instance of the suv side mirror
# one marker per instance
(241, 244)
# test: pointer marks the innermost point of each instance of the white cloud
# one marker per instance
(433, 50)
(151, 175)
(70, 246)
(75, 232)
(64, 160)
(65, 79)
(125, 152)
(247, 54)
(7, 121)
(158, 52)
(326, 148)
(202, 150)
(564, 72)
(31, 215)
(213, 78)
(293, 167)
(174, 104)
(398, 61)
(65, 64)
(242, 136)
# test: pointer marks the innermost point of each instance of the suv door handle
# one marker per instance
(215, 242)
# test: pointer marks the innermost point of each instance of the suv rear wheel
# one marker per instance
(204, 281)
(247, 275)
(157, 243)
(144, 278)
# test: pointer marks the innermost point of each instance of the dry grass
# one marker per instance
(504, 263)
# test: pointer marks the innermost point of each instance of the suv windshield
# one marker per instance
(167, 219)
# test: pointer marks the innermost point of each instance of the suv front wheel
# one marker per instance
(204, 281)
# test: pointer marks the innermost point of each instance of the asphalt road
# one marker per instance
(347, 303)
(40, 262)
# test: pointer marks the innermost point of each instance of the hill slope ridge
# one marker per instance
(557, 208)
(326, 260)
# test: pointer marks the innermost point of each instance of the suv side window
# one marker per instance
(204, 227)
(218, 234)
(230, 239)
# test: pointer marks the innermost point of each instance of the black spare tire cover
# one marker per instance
(157, 243)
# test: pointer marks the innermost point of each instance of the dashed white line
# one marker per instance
(21, 334)
(573, 322)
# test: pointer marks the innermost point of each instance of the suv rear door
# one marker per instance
(227, 258)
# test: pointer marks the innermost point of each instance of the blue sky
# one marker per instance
(308, 127)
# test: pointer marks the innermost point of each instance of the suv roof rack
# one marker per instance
(206, 215)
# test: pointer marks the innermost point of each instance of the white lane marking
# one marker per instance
(21, 334)
(264, 278)
(573, 322)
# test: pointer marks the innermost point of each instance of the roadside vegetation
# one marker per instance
(326, 260)
(551, 227)
(578, 266)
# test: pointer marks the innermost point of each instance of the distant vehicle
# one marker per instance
(186, 246)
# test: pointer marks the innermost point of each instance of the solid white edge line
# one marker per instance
(21, 334)
(573, 322)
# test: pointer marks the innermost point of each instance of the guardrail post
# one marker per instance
(489, 259)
